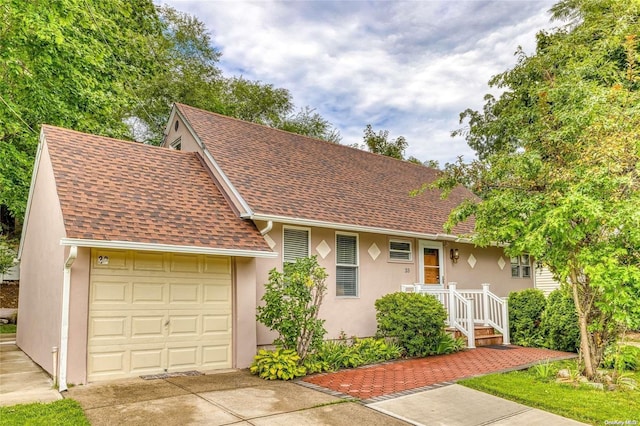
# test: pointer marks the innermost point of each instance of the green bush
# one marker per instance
(525, 315)
(336, 354)
(622, 358)
(560, 323)
(281, 364)
(292, 302)
(447, 344)
(415, 320)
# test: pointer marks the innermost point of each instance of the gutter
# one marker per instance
(64, 328)
(267, 229)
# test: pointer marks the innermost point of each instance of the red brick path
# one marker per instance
(393, 377)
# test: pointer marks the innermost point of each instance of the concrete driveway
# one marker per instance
(219, 399)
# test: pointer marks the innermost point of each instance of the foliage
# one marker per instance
(560, 322)
(62, 412)
(115, 68)
(525, 315)
(380, 144)
(585, 404)
(415, 320)
(7, 254)
(622, 358)
(557, 168)
(8, 328)
(292, 303)
(447, 344)
(545, 371)
(336, 354)
(281, 364)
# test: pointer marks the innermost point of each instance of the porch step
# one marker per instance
(484, 335)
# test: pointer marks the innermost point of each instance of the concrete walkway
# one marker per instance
(21, 380)
(219, 399)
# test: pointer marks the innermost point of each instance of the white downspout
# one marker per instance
(267, 229)
(64, 329)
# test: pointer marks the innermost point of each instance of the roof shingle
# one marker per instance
(284, 174)
(113, 190)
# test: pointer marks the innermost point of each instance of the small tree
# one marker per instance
(292, 303)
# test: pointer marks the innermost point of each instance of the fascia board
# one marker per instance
(129, 245)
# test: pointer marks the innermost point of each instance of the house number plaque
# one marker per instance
(103, 260)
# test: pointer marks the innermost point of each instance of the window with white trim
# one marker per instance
(176, 144)
(295, 244)
(346, 265)
(400, 250)
(521, 266)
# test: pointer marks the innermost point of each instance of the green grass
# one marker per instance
(582, 403)
(63, 412)
(7, 328)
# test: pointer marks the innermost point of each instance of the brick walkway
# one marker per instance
(400, 376)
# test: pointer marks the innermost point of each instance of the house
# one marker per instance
(140, 260)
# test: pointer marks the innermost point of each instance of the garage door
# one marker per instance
(157, 312)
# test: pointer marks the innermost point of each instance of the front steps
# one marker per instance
(485, 335)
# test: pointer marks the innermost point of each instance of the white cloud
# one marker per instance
(407, 67)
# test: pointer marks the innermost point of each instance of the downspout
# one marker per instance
(64, 329)
(267, 229)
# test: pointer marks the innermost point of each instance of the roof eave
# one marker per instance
(359, 228)
(134, 245)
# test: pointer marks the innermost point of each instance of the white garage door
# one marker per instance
(157, 312)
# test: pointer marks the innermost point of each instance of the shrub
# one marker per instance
(292, 302)
(415, 320)
(281, 364)
(622, 358)
(336, 354)
(560, 323)
(525, 315)
(447, 344)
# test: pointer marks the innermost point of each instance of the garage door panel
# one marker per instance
(185, 263)
(217, 265)
(153, 312)
(105, 292)
(108, 327)
(148, 293)
(109, 260)
(148, 261)
(148, 326)
(184, 293)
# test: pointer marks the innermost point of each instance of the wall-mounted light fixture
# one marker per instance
(455, 255)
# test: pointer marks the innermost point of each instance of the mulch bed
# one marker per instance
(9, 294)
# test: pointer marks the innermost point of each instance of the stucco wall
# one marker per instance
(42, 265)
(78, 317)
(244, 328)
(380, 276)
(485, 270)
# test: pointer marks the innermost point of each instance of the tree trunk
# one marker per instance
(586, 350)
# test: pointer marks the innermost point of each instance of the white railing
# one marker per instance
(465, 308)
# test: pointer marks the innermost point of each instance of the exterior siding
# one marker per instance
(42, 264)
(544, 280)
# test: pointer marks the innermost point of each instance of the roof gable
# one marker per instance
(111, 190)
(284, 174)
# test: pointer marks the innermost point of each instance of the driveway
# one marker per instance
(219, 399)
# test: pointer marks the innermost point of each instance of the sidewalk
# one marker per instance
(21, 380)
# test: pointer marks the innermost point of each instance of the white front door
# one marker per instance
(431, 264)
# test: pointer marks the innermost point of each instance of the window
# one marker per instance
(177, 144)
(399, 250)
(295, 244)
(346, 265)
(521, 266)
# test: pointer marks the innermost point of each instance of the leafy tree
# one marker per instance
(292, 304)
(379, 143)
(114, 68)
(558, 164)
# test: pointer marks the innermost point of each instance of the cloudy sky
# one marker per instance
(409, 67)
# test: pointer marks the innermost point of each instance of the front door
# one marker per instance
(431, 265)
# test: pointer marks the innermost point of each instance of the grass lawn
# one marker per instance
(582, 403)
(7, 328)
(63, 412)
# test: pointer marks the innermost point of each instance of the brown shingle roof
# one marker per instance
(284, 174)
(124, 191)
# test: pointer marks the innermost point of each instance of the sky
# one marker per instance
(409, 67)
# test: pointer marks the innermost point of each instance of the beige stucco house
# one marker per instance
(140, 260)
